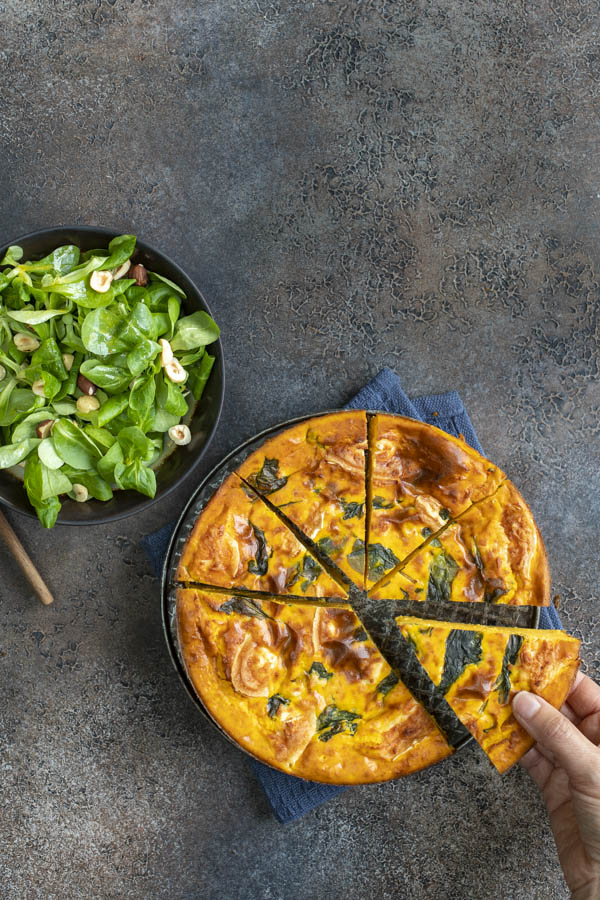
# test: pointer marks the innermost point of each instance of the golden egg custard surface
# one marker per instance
(304, 689)
(480, 668)
(389, 510)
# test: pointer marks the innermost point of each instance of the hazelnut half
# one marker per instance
(27, 343)
(80, 492)
(100, 280)
(180, 434)
(87, 404)
(175, 371)
(38, 388)
(166, 355)
(68, 360)
(121, 270)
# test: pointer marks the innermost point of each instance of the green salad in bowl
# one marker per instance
(100, 371)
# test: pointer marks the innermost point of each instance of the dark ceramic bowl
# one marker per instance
(203, 423)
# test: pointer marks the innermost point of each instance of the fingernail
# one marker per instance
(526, 704)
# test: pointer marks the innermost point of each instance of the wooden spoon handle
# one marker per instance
(27, 567)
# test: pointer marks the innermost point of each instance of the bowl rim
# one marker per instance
(144, 502)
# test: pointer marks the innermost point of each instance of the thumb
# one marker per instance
(554, 732)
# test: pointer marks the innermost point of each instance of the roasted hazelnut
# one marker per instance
(38, 388)
(68, 360)
(140, 273)
(85, 385)
(44, 428)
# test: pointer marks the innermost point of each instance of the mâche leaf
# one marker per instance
(111, 379)
(99, 332)
(162, 420)
(137, 477)
(121, 248)
(173, 310)
(34, 316)
(141, 402)
(49, 357)
(63, 259)
(12, 454)
(101, 437)
(47, 510)
(141, 355)
(169, 283)
(193, 331)
(16, 402)
(108, 463)
(172, 400)
(96, 486)
(27, 427)
(12, 256)
(43, 380)
(112, 408)
(77, 275)
(139, 324)
(48, 455)
(73, 445)
(42, 483)
(135, 444)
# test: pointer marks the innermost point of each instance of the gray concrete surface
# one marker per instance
(353, 184)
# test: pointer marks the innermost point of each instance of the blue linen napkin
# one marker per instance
(290, 797)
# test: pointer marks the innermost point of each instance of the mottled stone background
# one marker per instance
(353, 184)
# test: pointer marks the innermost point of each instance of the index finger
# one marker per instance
(584, 698)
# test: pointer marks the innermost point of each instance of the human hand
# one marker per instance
(565, 765)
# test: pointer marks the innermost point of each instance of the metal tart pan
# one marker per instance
(415, 677)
